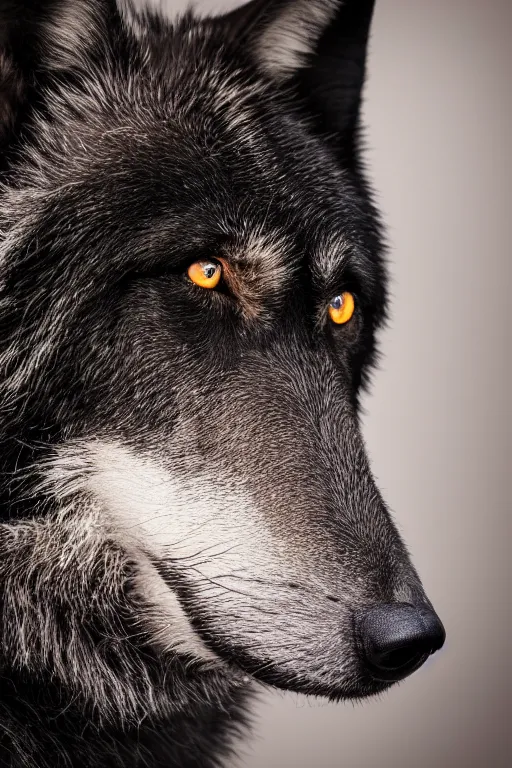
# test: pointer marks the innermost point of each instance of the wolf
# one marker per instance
(192, 277)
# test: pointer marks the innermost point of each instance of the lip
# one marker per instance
(248, 669)
(395, 674)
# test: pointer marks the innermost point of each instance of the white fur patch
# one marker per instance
(148, 515)
(197, 526)
(169, 515)
(287, 42)
(169, 623)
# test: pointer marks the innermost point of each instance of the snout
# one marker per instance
(396, 639)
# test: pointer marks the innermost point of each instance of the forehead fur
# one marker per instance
(161, 144)
(176, 111)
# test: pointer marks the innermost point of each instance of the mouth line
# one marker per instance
(274, 674)
(394, 674)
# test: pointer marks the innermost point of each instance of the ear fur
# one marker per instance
(41, 37)
(317, 46)
(284, 33)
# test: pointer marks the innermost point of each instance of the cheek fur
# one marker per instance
(210, 533)
(248, 588)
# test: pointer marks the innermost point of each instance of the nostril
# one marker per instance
(397, 638)
(398, 658)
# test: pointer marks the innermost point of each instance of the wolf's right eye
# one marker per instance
(205, 274)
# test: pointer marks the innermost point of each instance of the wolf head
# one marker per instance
(191, 278)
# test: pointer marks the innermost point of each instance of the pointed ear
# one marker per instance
(40, 37)
(318, 46)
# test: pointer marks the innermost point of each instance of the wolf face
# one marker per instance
(206, 428)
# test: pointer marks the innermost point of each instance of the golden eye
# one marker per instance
(205, 274)
(342, 308)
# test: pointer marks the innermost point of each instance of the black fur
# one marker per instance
(131, 148)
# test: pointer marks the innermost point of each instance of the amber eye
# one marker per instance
(342, 308)
(206, 274)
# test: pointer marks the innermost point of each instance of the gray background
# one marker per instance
(439, 113)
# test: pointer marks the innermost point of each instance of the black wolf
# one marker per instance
(191, 279)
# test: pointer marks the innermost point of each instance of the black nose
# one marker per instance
(397, 638)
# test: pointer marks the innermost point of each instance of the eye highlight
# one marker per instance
(205, 274)
(342, 308)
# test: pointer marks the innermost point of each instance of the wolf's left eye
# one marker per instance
(342, 308)
(205, 274)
